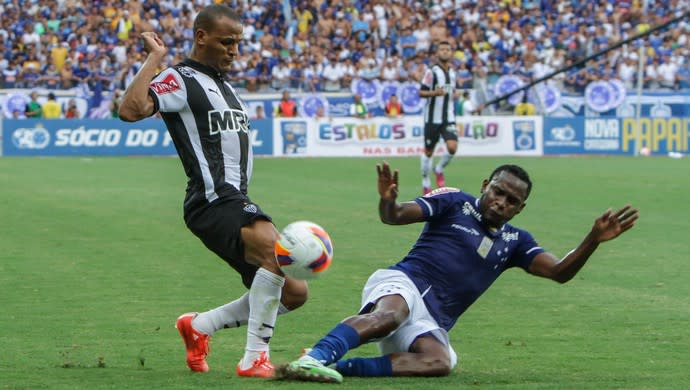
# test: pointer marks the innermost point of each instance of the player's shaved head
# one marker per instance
(516, 171)
(206, 19)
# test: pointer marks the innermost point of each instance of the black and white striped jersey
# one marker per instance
(209, 126)
(439, 109)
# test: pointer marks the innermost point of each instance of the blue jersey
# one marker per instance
(456, 258)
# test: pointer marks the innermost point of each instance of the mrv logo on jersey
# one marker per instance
(227, 120)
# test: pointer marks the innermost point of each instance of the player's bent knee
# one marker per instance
(376, 324)
(295, 293)
(388, 317)
(259, 240)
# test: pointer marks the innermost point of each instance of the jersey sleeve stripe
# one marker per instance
(156, 103)
(424, 203)
(536, 248)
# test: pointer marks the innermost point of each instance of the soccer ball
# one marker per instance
(304, 250)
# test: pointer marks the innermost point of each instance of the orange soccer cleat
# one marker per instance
(261, 368)
(195, 342)
(440, 179)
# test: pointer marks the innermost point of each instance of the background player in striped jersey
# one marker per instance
(209, 125)
(464, 247)
(438, 87)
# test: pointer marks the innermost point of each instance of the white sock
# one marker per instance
(282, 309)
(230, 315)
(443, 162)
(426, 163)
(264, 300)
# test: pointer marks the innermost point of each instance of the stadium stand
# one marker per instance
(322, 45)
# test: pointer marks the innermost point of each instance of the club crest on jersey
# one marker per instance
(186, 71)
(508, 237)
(167, 85)
(251, 208)
(468, 209)
(227, 120)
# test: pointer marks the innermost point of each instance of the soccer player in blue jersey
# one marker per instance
(465, 245)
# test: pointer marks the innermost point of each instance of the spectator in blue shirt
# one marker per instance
(453, 24)
(82, 73)
(510, 65)
(360, 29)
(464, 76)
(408, 43)
(684, 76)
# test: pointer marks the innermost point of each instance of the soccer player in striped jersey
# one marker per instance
(466, 244)
(438, 87)
(208, 123)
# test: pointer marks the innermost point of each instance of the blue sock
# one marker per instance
(335, 344)
(380, 366)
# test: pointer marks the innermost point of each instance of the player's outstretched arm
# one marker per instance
(136, 102)
(607, 227)
(432, 93)
(390, 211)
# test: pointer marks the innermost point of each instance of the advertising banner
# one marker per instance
(104, 137)
(350, 137)
(616, 136)
(563, 135)
(658, 135)
(500, 135)
(582, 136)
(261, 136)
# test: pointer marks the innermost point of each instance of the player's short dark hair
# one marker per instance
(516, 171)
(206, 19)
(443, 43)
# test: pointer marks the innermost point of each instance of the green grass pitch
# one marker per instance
(96, 264)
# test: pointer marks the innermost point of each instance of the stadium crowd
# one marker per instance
(322, 45)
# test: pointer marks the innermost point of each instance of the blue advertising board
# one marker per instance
(105, 137)
(583, 136)
(261, 137)
(563, 135)
(524, 134)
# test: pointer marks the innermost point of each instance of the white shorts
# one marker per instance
(393, 282)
